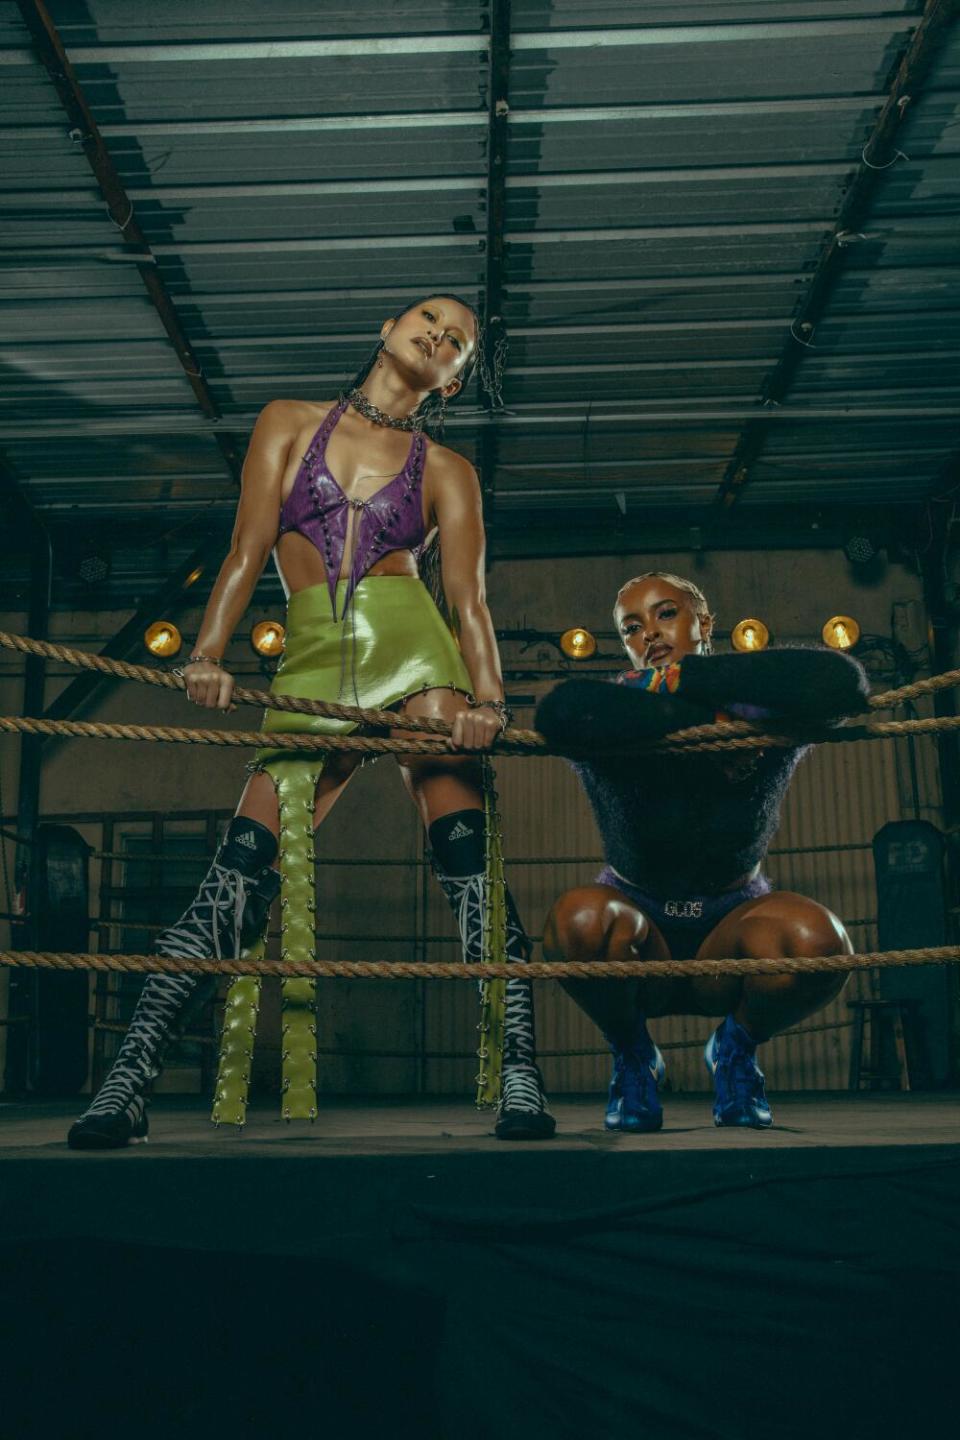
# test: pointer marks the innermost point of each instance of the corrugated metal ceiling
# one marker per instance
(673, 175)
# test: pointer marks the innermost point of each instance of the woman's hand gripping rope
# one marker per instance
(208, 684)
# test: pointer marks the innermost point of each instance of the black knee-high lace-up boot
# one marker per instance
(228, 914)
(458, 845)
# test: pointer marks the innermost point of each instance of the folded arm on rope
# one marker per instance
(799, 685)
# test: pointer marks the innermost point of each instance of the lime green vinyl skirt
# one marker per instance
(392, 643)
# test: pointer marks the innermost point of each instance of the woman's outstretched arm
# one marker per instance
(254, 535)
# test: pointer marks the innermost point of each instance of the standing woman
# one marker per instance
(347, 496)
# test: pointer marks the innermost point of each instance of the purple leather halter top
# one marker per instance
(317, 508)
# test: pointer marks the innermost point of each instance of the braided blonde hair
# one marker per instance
(701, 607)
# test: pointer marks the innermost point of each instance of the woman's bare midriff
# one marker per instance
(300, 564)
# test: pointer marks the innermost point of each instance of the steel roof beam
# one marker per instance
(52, 55)
(437, 184)
(389, 46)
(654, 36)
(927, 40)
(850, 387)
(783, 463)
(776, 279)
(348, 337)
(571, 413)
(463, 119)
(651, 492)
(475, 119)
(916, 472)
(268, 125)
(154, 505)
(441, 241)
(610, 476)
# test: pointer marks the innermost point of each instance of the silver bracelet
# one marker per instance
(503, 710)
(196, 660)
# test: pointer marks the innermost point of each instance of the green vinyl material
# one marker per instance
(392, 643)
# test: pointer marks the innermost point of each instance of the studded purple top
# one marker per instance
(317, 508)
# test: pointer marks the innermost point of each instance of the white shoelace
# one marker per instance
(222, 898)
(467, 895)
(522, 1090)
(186, 941)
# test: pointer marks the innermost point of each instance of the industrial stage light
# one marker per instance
(578, 643)
(193, 577)
(267, 637)
(841, 632)
(163, 638)
(750, 634)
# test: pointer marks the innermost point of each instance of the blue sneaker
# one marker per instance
(737, 1078)
(633, 1103)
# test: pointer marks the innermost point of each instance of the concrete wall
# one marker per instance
(544, 813)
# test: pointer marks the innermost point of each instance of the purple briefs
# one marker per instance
(685, 921)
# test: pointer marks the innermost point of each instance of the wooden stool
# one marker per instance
(897, 1016)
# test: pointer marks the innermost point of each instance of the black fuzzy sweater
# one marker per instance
(693, 825)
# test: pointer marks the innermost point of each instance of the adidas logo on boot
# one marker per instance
(460, 831)
(247, 847)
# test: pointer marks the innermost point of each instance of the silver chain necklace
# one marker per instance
(366, 408)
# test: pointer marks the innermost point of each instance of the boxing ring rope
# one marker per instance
(457, 970)
(728, 735)
(262, 699)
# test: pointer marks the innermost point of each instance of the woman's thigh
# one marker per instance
(599, 922)
(782, 923)
(439, 784)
